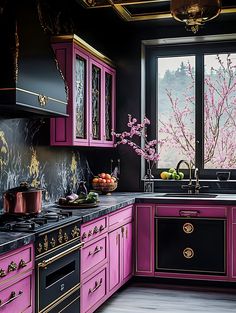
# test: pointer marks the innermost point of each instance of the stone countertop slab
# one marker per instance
(13, 240)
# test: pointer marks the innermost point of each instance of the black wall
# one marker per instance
(28, 154)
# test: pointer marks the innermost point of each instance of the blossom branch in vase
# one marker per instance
(149, 149)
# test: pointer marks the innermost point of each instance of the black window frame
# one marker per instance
(198, 49)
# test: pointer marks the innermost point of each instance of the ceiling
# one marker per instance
(141, 10)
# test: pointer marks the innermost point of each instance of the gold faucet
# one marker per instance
(190, 186)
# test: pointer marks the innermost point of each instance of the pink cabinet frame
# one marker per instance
(63, 129)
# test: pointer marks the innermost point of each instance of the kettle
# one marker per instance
(22, 200)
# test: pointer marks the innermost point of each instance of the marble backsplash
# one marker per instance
(26, 155)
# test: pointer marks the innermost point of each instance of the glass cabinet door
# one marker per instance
(109, 99)
(80, 97)
(96, 93)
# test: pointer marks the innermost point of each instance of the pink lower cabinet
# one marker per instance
(144, 239)
(94, 256)
(17, 281)
(120, 261)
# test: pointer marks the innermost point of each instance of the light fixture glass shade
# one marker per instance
(195, 13)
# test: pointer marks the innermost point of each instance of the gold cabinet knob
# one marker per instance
(12, 267)
(95, 230)
(84, 236)
(188, 253)
(90, 233)
(22, 264)
(101, 228)
(188, 228)
(2, 273)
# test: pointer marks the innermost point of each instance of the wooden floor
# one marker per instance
(138, 298)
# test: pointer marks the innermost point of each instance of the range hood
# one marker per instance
(30, 80)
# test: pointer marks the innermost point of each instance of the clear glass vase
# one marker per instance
(149, 180)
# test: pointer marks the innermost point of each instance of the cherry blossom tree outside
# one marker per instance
(176, 110)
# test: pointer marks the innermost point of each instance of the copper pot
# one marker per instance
(22, 200)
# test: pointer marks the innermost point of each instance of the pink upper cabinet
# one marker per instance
(91, 107)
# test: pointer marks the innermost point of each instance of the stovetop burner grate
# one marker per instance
(32, 222)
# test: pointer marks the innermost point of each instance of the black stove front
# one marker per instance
(57, 257)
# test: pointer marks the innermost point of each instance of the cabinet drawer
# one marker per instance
(92, 230)
(93, 290)
(121, 217)
(17, 297)
(93, 254)
(15, 262)
(191, 211)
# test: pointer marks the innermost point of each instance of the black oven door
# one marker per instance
(192, 245)
(58, 275)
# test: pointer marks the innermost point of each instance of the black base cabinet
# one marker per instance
(194, 245)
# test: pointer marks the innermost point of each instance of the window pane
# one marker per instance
(176, 109)
(220, 111)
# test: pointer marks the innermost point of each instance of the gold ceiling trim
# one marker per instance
(121, 7)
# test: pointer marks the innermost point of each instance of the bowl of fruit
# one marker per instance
(172, 174)
(105, 183)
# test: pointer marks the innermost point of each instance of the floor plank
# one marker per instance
(143, 299)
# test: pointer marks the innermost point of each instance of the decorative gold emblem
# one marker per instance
(75, 232)
(60, 236)
(40, 248)
(188, 228)
(42, 100)
(66, 238)
(53, 242)
(2, 273)
(45, 244)
(188, 253)
(22, 264)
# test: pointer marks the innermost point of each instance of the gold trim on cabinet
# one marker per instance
(49, 261)
(83, 44)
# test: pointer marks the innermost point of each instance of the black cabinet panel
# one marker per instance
(196, 245)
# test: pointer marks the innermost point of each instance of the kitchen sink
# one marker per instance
(190, 195)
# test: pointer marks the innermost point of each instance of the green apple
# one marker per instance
(172, 170)
(181, 174)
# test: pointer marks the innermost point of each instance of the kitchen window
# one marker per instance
(191, 100)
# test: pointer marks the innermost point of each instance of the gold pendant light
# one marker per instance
(195, 13)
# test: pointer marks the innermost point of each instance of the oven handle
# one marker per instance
(189, 213)
(45, 263)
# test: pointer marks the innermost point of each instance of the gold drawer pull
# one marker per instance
(95, 230)
(188, 253)
(22, 264)
(13, 297)
(97, 285)
(101, 228)
(12, 267)
(2, 273)
(96, 250)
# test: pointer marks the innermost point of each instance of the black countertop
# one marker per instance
(111, 203)
(13, 240)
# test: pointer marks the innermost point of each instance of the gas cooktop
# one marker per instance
(35, 223)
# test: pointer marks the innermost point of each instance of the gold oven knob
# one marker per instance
(40, 248)
(45, 244)
(66, 238)
(12, 267)
(75, 232)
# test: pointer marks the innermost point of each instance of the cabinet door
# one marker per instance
(144, 240)
(114, 258)
(108, 121)
(127, 251)
(96, 109)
